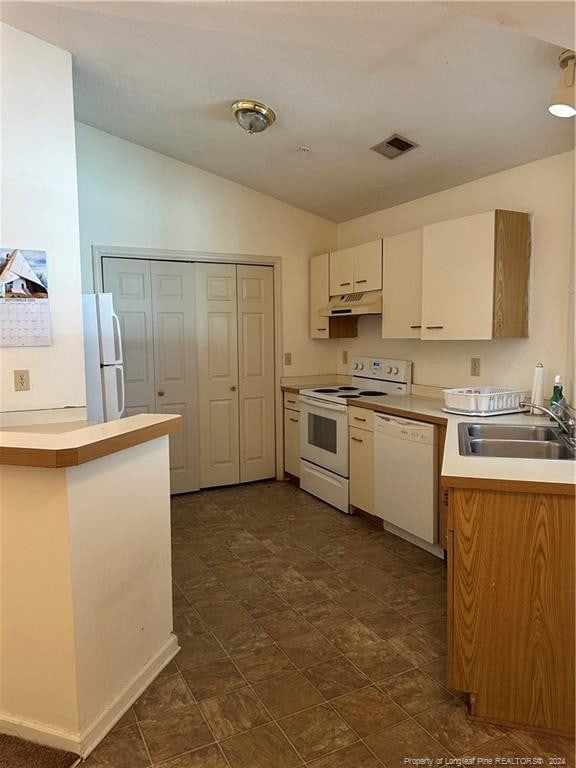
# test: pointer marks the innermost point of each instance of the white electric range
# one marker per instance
(324, 423)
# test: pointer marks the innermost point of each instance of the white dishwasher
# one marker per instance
(405, 471)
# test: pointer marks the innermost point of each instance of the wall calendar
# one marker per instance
(24, 301)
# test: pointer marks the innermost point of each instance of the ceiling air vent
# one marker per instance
(394, 146)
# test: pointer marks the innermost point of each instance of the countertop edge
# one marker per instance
(84, 445)
(511, 486)
(450, 479)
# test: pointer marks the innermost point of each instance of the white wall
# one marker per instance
(546, 190)
(131, 196)
(39, 210)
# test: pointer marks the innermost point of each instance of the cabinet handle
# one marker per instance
(415, 326)
(232, 389)
(357, 439)
(360, 281)
(358, 418)
(345, 283)
(321, 329)
(291, 419)
(434, 327)
(161, 393)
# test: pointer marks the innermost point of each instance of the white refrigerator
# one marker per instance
(105, 392)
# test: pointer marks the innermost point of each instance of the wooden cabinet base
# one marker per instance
(511, 606)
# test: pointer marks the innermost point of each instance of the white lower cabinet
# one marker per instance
(361, 458)
(292, 442)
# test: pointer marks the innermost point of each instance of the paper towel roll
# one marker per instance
(538, 387)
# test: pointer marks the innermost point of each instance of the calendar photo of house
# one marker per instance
(24, 300)
(23, 274)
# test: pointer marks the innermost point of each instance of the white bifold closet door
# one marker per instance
(156, 304)
(235, 373)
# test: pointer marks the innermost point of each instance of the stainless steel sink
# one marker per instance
(521, 441)
(521, 449)
(512, 431)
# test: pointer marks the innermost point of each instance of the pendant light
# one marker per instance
(563, 103)
(253, 116)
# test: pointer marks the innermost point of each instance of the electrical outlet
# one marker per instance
(22, 380)
(345, 356)
(287, 358)
(474, 366)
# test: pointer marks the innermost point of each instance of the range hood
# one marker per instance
(367, 303)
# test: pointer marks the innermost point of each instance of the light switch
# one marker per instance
(287, 358)
(22, 380)
(474, 366)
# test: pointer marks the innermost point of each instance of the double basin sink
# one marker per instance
(516, 441)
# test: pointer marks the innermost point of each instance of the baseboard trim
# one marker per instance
(83, 743)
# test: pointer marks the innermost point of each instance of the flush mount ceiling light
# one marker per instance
(563, 103)
(253, 116)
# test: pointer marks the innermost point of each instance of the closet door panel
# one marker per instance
(218, 374)
(128, 280)
(174, 322)
(256, 371)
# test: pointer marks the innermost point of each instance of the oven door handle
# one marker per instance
(322, 404)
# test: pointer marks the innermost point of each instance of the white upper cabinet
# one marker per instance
(368, 266)
(402, 286)
(342, 272)
(475, 277)
(319, 297)
(357, 269)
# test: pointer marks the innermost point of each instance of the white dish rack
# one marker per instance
(484, 401)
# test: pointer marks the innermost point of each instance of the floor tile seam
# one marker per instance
(167, 760)
(401, 722)
(451, 691)
(277, 720)
(278, 723)
(197, 705)
(429, 733)
(516, 740)
(274, 643)
(144, 742)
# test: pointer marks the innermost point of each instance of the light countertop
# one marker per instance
(296, 383)
(537, 471)
(70, 443)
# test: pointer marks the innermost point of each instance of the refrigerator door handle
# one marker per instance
(117, 340)
(122, 390)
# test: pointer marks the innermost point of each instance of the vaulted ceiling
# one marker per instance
(342, 76)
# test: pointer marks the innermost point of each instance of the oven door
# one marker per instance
(324, 434)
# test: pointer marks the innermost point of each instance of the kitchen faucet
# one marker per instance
(566, 424)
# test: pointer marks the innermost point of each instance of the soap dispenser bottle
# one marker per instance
(557, 398)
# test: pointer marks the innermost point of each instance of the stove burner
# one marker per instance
(372, 393)
(326, 391)
(347, 389)
(348, 397)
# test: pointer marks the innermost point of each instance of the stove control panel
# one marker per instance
(382, 368)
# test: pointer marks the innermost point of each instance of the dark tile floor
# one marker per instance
(308, 638)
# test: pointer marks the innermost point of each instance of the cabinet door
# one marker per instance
(218, 374)
(292, 442)
(362, 469)
(174, 320)
(402, 286)
(458, 278)
(255, 289)
(342, 272)
(319, 295)
(368, 266)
